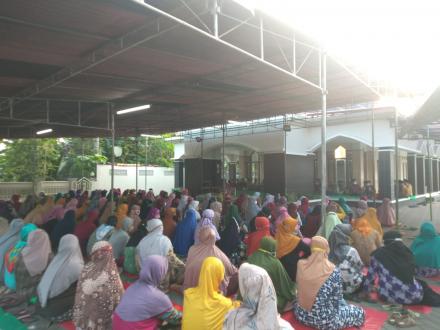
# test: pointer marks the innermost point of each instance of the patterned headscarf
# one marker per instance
(99, 290)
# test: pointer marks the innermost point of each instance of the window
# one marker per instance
(118, 172)
(149, 172)
(168, 173)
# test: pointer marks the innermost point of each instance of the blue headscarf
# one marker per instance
(184, 236)
(12, 255)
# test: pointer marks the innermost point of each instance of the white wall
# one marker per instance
(158, 178)
(304, 141)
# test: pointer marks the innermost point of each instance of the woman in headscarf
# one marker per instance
(145, 208)
(37, 215)
(312, 222)
(385, 213)
(107, 212)
(9, 239)
(169, 222)
(330, 222)
(282, 214)
(265, 257)
(135, 211)
(143, 305)
(264, 212)
(27, 206)
(217, 208)
(395, 267)
(345, 207)
(346, 258)
(13, 254)
(153, 214)
(371, 216)
(84, 229)
(156, 243)
(198, 253)
(259, 309)
(56, 291)
(102, 233)
(304, 208)
(184, 235)
(361, 209)
(365, 239)
(262, 225)
(290, 248)
(98, 291)
(15, 199)
(130, 249)
(31, 263)
(63, 227)
(207, 221)
(426, 250)
(251, 210)
(320, 300)
(71, 205)
(204, 306)
(230, 240)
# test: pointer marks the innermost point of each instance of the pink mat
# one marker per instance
(374, 320)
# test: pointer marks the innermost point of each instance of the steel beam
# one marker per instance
(324, 92)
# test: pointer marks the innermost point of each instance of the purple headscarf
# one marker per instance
(153, 214)
(207, 218)
(143, 300)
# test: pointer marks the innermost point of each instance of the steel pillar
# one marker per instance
(323, 80)
(396, 163)
(113, 161)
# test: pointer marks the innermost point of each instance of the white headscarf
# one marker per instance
(259, 307)
(63, 270)
(155, 243)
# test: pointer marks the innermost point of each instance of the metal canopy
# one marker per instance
(68, 65)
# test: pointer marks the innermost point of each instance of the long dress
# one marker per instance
(330, 311)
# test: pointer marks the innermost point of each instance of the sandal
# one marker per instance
(406, 321)
(394, 318)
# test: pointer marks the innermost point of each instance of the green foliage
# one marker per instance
(30, 159)
(51, 159)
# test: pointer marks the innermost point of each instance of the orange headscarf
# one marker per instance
(121, 214)
(262, 225)
(287, 241)
(362, 226)
(371, 216)
(313, 272)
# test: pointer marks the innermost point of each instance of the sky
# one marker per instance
(390, 40)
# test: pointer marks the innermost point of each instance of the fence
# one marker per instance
(7, 189)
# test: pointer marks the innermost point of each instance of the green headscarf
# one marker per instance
(426, 247)
(232, 213)
(265, 258)
(343, 204)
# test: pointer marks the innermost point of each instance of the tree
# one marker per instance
(29, 160)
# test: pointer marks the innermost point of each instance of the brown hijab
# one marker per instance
(99, 290)
(198, 253)
(313, 272)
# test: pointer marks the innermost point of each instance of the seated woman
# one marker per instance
(265, 258)
(331, 220)
(217, 208)
(119, 238)
(28, 265)
(198, 253)
(169, 222)
(63, 227)
(365, 239)
(184, 235)
(9, 239)
(230, 240)
(130, 249)
(312, 222)
(386, 214)
(426, 250)
(394, 265)
(346, 208)
(143, 305)
(259, 310)
(262, 226)
(85, 228)
(99, 290)
(204, 306)
(156, 243)
(102, 233)
(290, 248)
(320, 301)
(56, 291)
(206, 221)
(346, 258)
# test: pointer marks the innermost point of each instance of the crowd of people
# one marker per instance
(110, 260)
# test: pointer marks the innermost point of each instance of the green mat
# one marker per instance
(10, 322)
